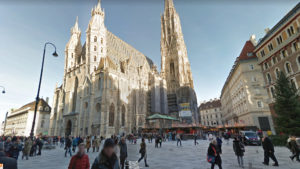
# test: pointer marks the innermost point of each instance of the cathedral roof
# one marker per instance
(210, 104)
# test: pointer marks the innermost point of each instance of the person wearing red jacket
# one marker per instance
(80, 160)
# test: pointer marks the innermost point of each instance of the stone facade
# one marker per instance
(279, 50)
(109, 87)
(19, 121)
(210, 113)
(243, 97)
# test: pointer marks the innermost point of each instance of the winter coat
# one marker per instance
(123, 150)
(27, 146)
(96, 142)
(143, 148)
(212, 151)
(75, 142)
(68, 142)
(15, 150)
(103, 162)
(238, 148)
(79, 162)
(88, 143)
(268, 145)
(293, 146)
(8, 163)
(7, 148)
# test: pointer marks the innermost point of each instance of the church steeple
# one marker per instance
(97, 9)
(175, 66)
(75, 29)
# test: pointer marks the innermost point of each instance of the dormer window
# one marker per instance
(249, 54)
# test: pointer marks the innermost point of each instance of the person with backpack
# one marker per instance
(80, 160)
(239, 149)
(213, 155)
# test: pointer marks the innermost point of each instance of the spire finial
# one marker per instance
(75, 28)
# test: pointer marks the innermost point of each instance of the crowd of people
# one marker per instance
(114, 153)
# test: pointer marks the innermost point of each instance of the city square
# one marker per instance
(220, 78)
(170, 156)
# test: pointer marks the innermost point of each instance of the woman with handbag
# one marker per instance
(239, 149)
(143, 152)
(213, 155)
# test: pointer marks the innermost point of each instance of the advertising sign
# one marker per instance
(185, 110)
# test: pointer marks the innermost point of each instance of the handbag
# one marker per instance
(211, 159)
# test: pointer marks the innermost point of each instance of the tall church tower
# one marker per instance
(175, 66)
(96, 38)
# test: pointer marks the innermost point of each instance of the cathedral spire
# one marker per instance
(75, 28)
(97, 9)
(169, 4)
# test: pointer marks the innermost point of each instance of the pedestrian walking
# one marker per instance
(8, 162)
(123, 152)
(62, 142)
(292, 145)
(239, 149)
(74, 144)
(107, 158)
(39, 143)
(178, 138)
(219, 143)
(195, 139)
(80, 160)
(160, 140)
(143, 152)
(268, 151)
(88, 144)
(27, 148)
(213, 155)
(68, 146)
(16, 148)
(96, 144)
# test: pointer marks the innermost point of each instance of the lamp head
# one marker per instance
(3, 91)
(55, 54)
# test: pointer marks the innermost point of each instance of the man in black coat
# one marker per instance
(123, 152)
(268, 151)
(8, 162)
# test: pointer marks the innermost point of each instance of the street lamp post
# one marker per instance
(38, 92)
(3, 91)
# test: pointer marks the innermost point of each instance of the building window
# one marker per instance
(290, 31)
(295, 46)
(293, 84)
(98, 107)
(266, 65)
(95, 39)
(95, 58)
(259, 104)
(101, 40)
(262, 53)
(284, 53)
(288, 68)
(251, 67)
(298, 61)
(277, 72)
(279, 40)
(269, 78)
(95, 48)
(272, 92)
(270, 46)
(42, 123)
(72, 55)
(111, 115)
(123, 115)
(274, 60)
(101, 50)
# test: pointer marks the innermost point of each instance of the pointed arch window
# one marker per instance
(111, 115)
(277, 72)
(95, 38)
(269, 78)
(288, 67)
(172, 69)
(95, 48)
(101, 40)
(75, 95)
(95, 58)
(123, 115)
(272, 92)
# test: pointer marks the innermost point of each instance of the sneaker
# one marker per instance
(275, 164)
(265, 163)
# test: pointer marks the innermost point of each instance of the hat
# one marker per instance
(108, 143)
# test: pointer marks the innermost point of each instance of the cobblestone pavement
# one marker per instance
(169, 156)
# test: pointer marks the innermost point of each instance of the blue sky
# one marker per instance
(214, 33)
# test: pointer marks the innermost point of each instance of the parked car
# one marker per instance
(250, 138)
